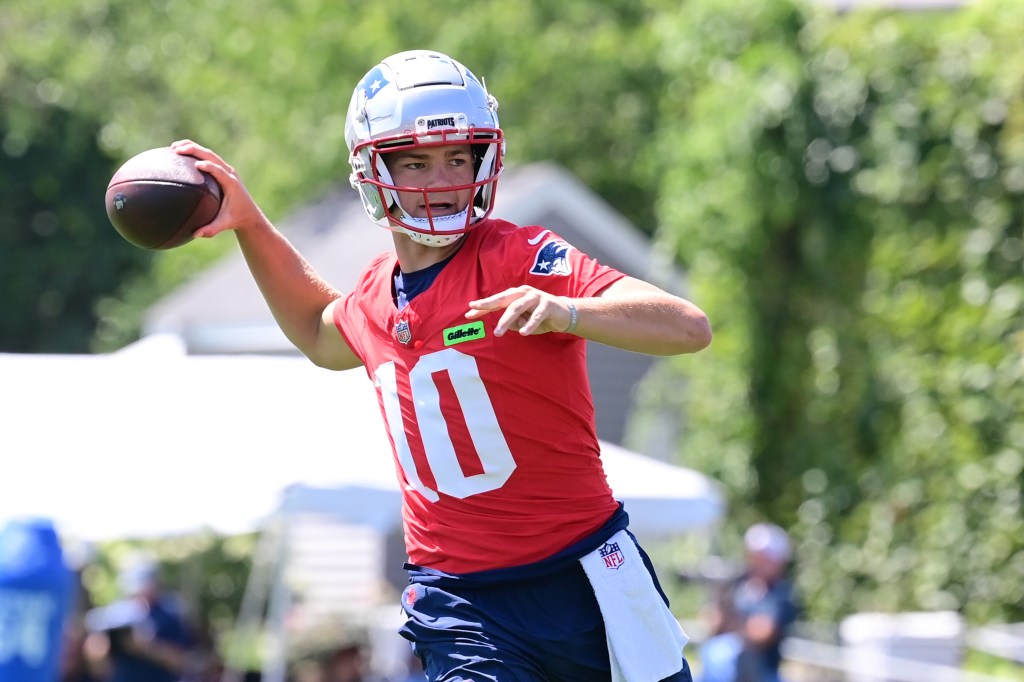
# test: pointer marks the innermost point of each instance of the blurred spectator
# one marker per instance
(145, 637)
(752, 613)
(73, 664)
(334, 651)
(347, 663)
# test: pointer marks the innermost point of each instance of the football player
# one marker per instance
(473, 331)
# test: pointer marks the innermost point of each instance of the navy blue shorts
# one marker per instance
(542, 629)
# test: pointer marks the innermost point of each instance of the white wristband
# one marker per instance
(573, 318)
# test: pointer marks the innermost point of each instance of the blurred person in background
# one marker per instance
(348, 663)
(752, 613)
(143, 638)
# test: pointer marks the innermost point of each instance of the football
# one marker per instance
(158, 198)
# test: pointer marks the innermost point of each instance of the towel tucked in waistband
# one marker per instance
(645, 641)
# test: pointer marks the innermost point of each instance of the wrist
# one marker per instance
(574, 317)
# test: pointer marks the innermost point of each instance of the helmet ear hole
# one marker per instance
(376, 205)
(479, 151)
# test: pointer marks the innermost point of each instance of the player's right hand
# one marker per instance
(525, 310)
(238, 210)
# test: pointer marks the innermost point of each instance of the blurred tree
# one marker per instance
(271, 92)
(847, 193)
(57, 250)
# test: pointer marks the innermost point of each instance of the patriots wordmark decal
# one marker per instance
(374, 82)
(552, 259)
(612, 555)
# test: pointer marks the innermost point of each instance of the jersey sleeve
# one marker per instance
(546, 261)
(346, 314)
(353, 308)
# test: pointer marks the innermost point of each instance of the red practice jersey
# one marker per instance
(494, 438)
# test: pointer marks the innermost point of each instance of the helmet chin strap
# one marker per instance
(436, 225)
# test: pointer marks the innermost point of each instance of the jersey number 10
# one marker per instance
(476, 409)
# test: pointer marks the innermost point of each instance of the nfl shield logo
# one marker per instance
(612, 555)
(403, 333)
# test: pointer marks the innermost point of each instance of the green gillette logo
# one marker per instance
(467, 332)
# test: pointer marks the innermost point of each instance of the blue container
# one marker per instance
(35, 595)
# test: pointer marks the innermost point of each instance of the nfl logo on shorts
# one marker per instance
(612, 555)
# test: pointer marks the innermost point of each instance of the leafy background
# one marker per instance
(843, 188)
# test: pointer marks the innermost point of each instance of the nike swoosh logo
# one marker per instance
(536, 240)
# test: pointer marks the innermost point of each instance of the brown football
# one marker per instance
(158, 198)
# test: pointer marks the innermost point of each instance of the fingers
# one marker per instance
(482, 306)
(190, 148)
(234, 211)
(511, 300)
(209, 161)
(526, 310)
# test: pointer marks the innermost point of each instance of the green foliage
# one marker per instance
(847, 192)
(56, 248)
(844, 190)
(269, 90)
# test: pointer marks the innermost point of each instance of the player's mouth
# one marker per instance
(440, 208)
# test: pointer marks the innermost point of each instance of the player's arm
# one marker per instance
(638, 316)
(300, 300)
(629, 313)
(762, 630)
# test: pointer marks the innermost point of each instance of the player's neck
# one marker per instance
(413, 256)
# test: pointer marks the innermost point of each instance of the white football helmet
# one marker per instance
(422, 99)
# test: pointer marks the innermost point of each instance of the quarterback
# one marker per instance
(473, 332)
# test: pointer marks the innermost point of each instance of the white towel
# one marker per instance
(645, 641)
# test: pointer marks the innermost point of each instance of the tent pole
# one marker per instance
(257, 587)
(275, 661)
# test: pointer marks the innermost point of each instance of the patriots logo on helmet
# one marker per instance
(552, 259)
(374, 82)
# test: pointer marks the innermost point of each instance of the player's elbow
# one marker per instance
(332, 352)
(692, 333)
(700, 333)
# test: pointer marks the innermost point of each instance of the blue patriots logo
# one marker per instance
(552, 259)
(374, 82)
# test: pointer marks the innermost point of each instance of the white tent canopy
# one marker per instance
(150, 441)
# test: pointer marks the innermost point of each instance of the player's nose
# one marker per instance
(443, 176)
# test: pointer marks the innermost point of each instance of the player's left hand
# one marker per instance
(527, 311)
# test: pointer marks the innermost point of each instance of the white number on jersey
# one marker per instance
(488, 440)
